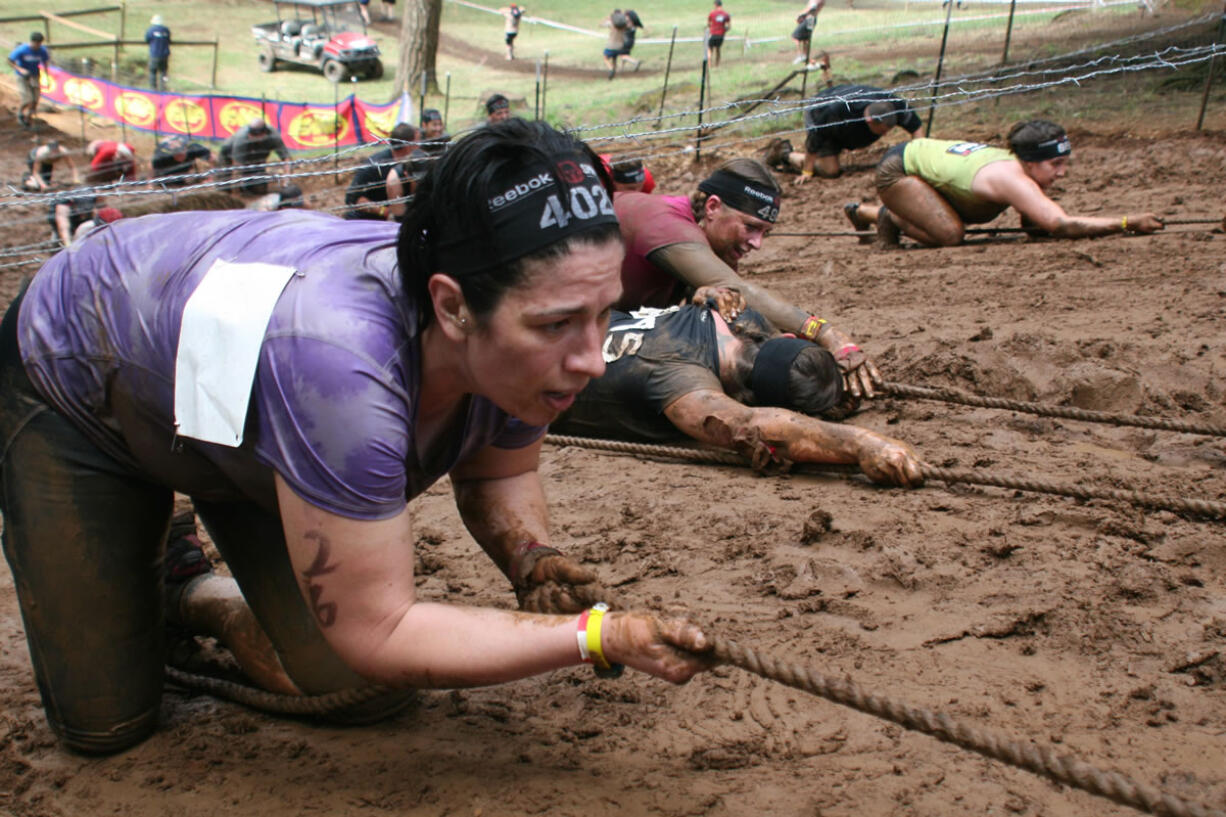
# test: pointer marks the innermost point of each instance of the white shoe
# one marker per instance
(798, 60)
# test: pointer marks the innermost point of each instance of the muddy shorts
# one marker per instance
(891, 167)
(29, 89)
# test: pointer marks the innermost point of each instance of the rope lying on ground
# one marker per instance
(1195, 507)
(1039, 760)
(949, 395)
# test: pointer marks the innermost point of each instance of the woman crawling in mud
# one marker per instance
(366, 365)
(930, 189)
(719, 373)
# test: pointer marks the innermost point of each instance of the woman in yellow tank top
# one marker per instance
(931, 189)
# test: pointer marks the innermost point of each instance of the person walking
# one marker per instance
(806, 21)
(718, 23)
(28, 60)
(158, 38)
(511, 16)
(618, 24)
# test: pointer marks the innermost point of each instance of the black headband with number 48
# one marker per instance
(742, 194)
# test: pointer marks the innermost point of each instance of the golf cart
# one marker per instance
(328, 35)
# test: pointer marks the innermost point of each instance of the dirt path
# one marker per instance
(1049, 619)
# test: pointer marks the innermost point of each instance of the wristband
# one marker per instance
(846, 350)
(812, 327)
(808, 174)
(591, 650)
(1124, 224)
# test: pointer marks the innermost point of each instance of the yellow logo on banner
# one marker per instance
(136, 109)
(186, 116)
(380, 123)
(234, 115)
(318, 127)
(84, 92)
(46, 83)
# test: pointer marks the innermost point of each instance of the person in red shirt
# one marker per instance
(718, 22)
(110, 161)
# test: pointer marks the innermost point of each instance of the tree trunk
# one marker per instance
(418, 45)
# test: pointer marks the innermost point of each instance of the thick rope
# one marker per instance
(949, 395)
(1037, 759)
(274, 702)
(1195, 507)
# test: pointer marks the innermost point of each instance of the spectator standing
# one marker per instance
(248, 148)
(511, 15)
(158, 38)
(41, 161)
(718, 23)
(803, 33)
(28, 60)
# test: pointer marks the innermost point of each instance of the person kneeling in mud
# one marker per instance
(685, 371)
(931, 189)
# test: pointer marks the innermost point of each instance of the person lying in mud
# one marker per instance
(686, 371)
(368, 361)
(930, 189)
(676, 244)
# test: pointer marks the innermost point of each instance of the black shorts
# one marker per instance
(802, 33)
(715, 40)
(818, 143)
(511, 35)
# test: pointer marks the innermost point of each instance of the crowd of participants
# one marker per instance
(478, 290)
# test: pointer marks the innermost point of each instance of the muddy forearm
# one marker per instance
(695, 265)
(503, 513)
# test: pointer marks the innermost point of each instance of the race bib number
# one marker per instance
(965, 148)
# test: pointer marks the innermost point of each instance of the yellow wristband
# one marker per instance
(812, 327)
(590, 648)
(808, 174)
(1124, 224)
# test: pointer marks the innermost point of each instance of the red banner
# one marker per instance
(303, 126)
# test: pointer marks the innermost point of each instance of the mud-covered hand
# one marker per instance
(860, 376)
(546, 581)
(727, 301)
(675, 649)
(1143, 223)
(889, 461)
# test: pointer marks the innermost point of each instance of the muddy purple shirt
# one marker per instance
(333, 406)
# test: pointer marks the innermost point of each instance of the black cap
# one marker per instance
(36, 36)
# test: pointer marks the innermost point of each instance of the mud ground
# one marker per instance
(1092, 627)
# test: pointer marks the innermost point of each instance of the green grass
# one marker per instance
(869, 49)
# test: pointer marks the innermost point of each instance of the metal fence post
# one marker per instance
(932, 106)
(668, 67)
(702, 102)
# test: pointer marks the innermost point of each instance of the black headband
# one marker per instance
(429, 115)
(497, 104)
(1051, 149)
(742, 194)
(630, 175)
(771, 368)
(530, 212)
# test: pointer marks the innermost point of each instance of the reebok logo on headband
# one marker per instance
(1051, 149)
(743, 194)
(540, 204)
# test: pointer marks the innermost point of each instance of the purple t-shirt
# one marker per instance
(333, 407)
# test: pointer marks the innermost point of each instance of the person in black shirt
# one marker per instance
(847, 117)
(69, 211)
(175, 158)
(378, 186)
(687, 372)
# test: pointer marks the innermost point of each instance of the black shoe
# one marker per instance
(23, 120)
(776, 154)
(852, 210)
